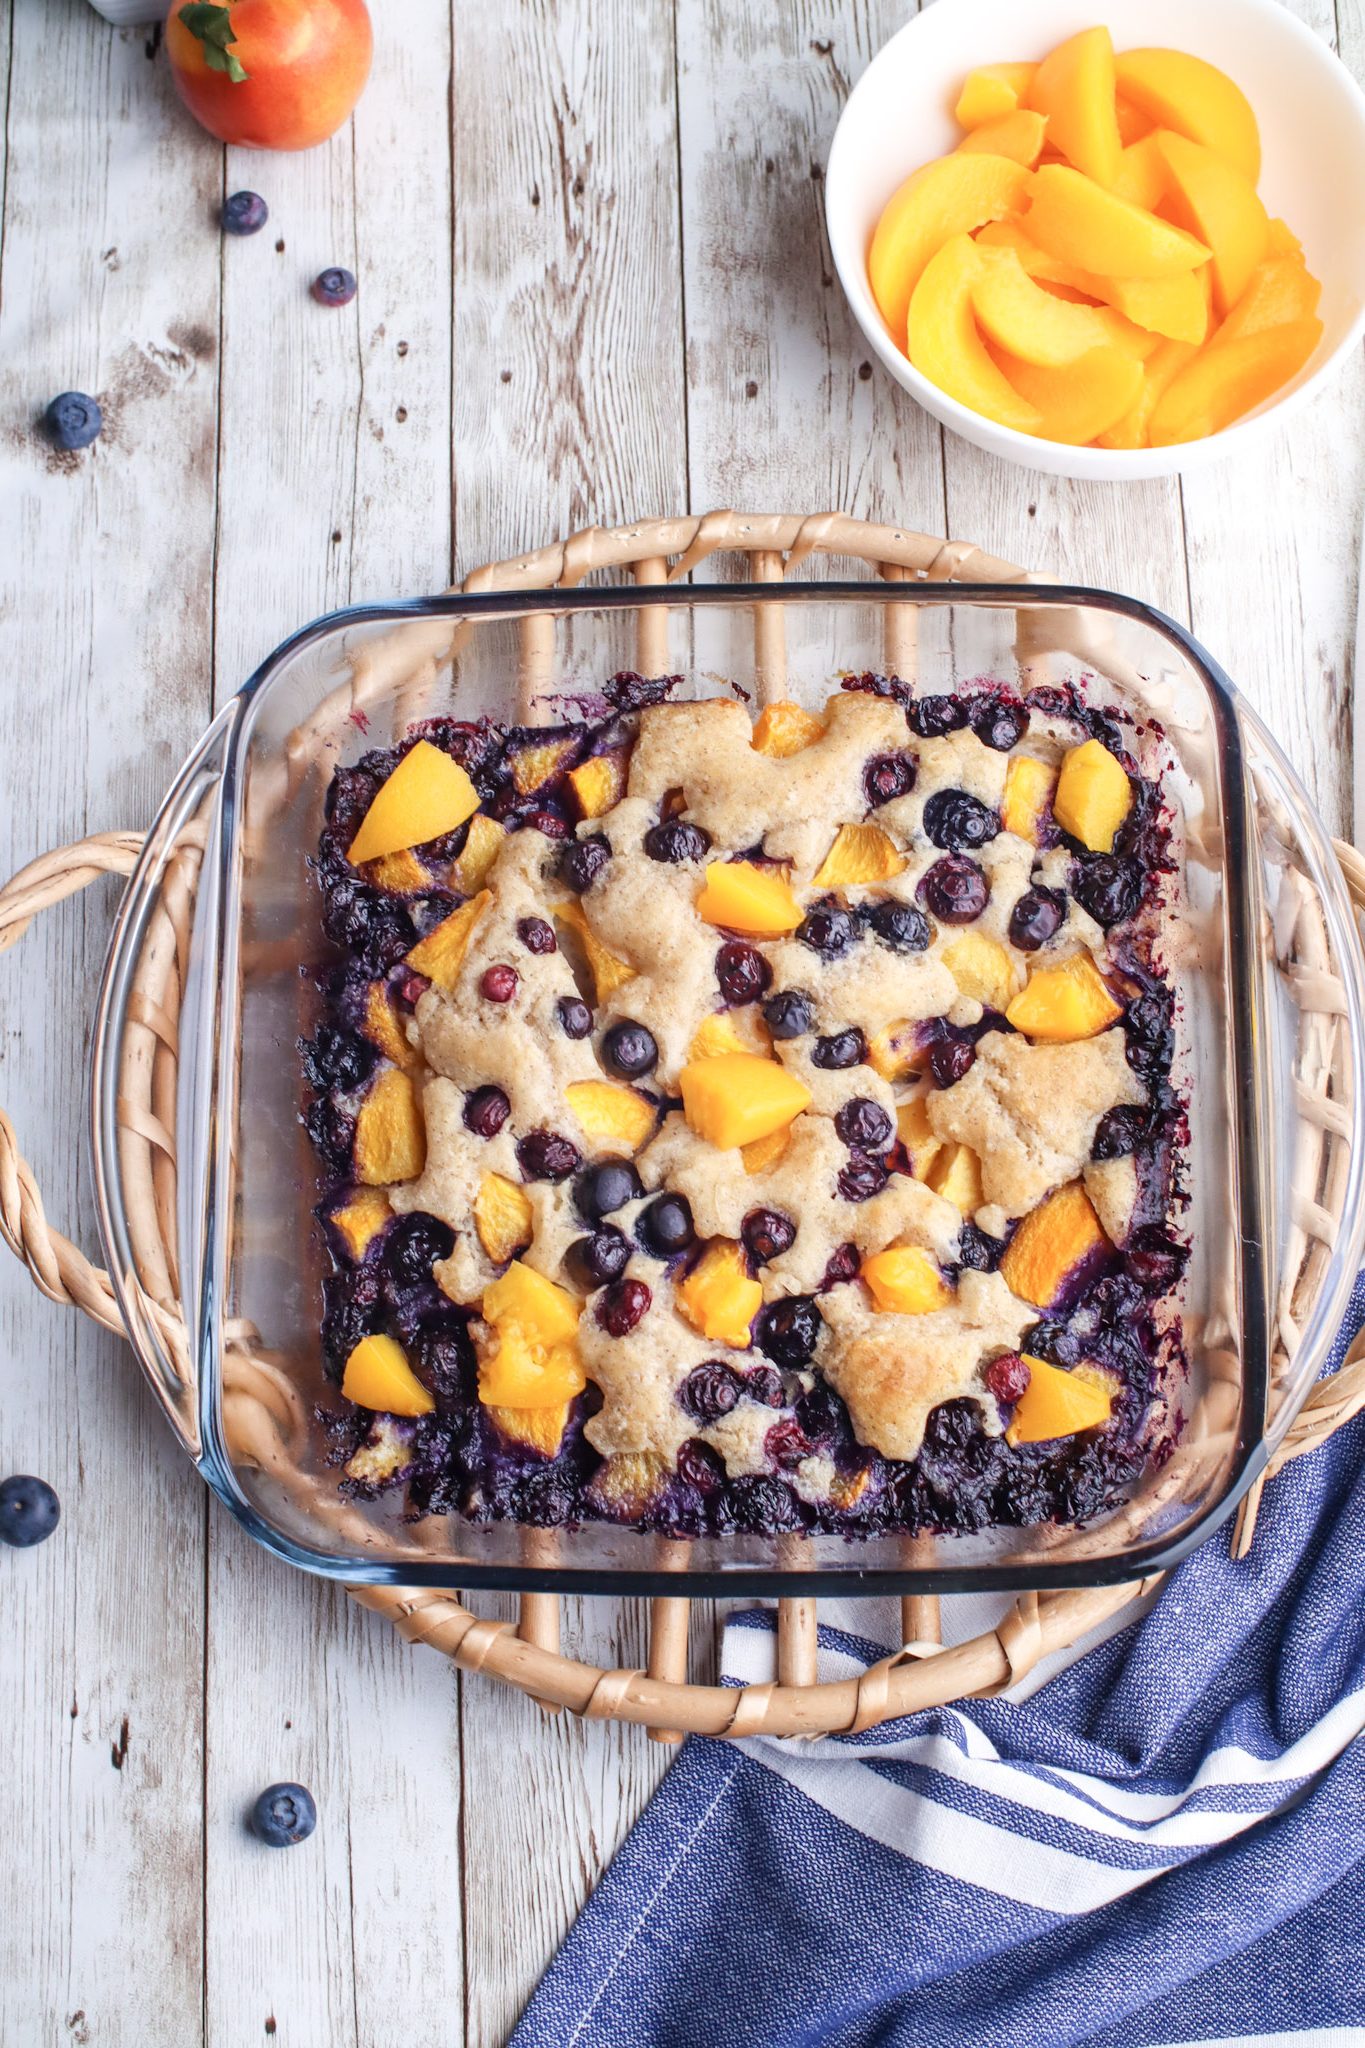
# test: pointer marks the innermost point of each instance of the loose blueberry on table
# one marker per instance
(283, 1816)
(29, 1510)
(73, 421)
(627, 1054)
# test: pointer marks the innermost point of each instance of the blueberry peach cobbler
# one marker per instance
(750, 1126)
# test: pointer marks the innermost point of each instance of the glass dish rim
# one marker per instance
(236, 723)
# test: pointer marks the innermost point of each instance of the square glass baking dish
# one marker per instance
(206, 1182)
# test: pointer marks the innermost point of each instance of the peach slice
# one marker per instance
(1055, 1248)
(1057, 1403)
(609, 972)
(1029, 784)
(503, 1218)
(383, 1027)
(739, 1097)
(483, 843)
(1194, 98)
(981, 968)
(1093, 797)
(1032, 323)
(1081, 399)
(955, 1174)
(616, 1118)
(537, 1429)
(377, 1375)
(1175, 307)
(746, 898)
(521, 1373)
(730, 1031)
(1018, 136)
(946, 198)
(359, 1221)
(764, 1153)
(719, 1298)
(1282, 241)
(1143, 175)
(427, 795)
(400, 873)
(992, 91)
(598, 785)
(1279, 290)
(1211, 198)
(905, 1281)
(534, 764)
(1074, 86)
(1161, 368)
(945, 344)
(521, 1296)
(897, 1050)
(784, 729)
(916, 1134)
(1064, 1003)
(440, 954)
(861, 854)
(1133, 123)
(1077, 220)
(1225, 380)
(390, 1136)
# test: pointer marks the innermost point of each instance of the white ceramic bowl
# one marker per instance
(1312, 119)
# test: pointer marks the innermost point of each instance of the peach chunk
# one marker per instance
(427, 795)
(598, 785)
(764, 1153)
(1018, 136)
(521, 1373)
(1227, 379)
(861, 854)
(383, 1027)
(783, 729)
(897, 1050)
(1077, 220)
(400, 873)
(1064, 1003)
(624, 1485)
(616, 1118)
(1278, 291)
(1093, 796)
(955, 1174)
(1194, 98)
(944, 343)
(946, 198)
(378, 1376)
(483, 843)
(535, 763)
(440, 954)
(359, 1221)
(609, 972)
(905, 1281)
(1028, 795)
(739, 1097)
(1211, 198)
(719, 1298)
(992, 91)
(981, 968)
(1057, 1403)
(503, 1218)
(521, 1296)
(730, 1031)
(390, 1136)
(1055, 1248)
(537, 1429)
(1074, 87)
(1032, 323)
(743, 897)
(1081, 399)
(916, 1134)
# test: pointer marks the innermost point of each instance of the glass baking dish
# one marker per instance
(206, 1182)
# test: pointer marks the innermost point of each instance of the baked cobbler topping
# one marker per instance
(749, 1125)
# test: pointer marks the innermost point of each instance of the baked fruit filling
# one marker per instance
(750, 1125)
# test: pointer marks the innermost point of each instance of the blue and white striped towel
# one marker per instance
(1162, 1842)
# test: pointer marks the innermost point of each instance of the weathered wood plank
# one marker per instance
(335, 468)
(106, 682)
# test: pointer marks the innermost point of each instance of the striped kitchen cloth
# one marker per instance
(1161, 1842)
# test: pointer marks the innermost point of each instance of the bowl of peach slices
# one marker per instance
(1105, 248)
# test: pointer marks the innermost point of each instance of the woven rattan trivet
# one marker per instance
(527, 1654)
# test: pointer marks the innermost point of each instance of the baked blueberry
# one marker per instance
(414, 1244)
(950, 1059)
(665, 1227)
(486, 1110)
(575, 1018)
(601, 1258)
(336, 1059)
(73, 420)
(742, 972)
(932, 717)
(29, 1510)
(865, 1124)
(499, 983)
(623, 1307)
(1007, 1377)
(710, 1391)
(828, 930)
(787, 1330)
(790, 1014)
(864, 1176)
(583, 861)
(283, 1816)
(840, 1049)
(978, 1252)
(675, 840)
(958, 822)
(954, 889)
(244, 213)
(767, 1234)
(1037, 917)
(997, 722)
(763, 1383)
(1119, 1133)
(536, 935)
(1109, 887)
(887, 777)
(545, 1155)
(603, 1189)
(334, 286)
(900, 926)
(629, 1050)
(842, 1265)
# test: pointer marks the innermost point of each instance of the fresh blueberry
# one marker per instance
(284, 1815)
(73, 420)
(950, 1059)
(604, 1189)
(865, 1124)
(629, 1050)
(840, 1049)
(1036, 917)
(575, 1017)
(742, 972)
(786, 1330)
(486, 1110)
(245, 213)
(767, 1233)
(29, 1511)
(710, 1391)
(666, 1226)
(790, 1014)
(828, 931)
(958, 822)
(675, 841)
(954, 889)
(334, 286)
(545, 1155)
(900, 926)
(584, 861)
(887, 777)
(998, 723)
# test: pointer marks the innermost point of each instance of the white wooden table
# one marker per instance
(593, 286)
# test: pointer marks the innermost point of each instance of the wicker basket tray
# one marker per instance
(527, 1654)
